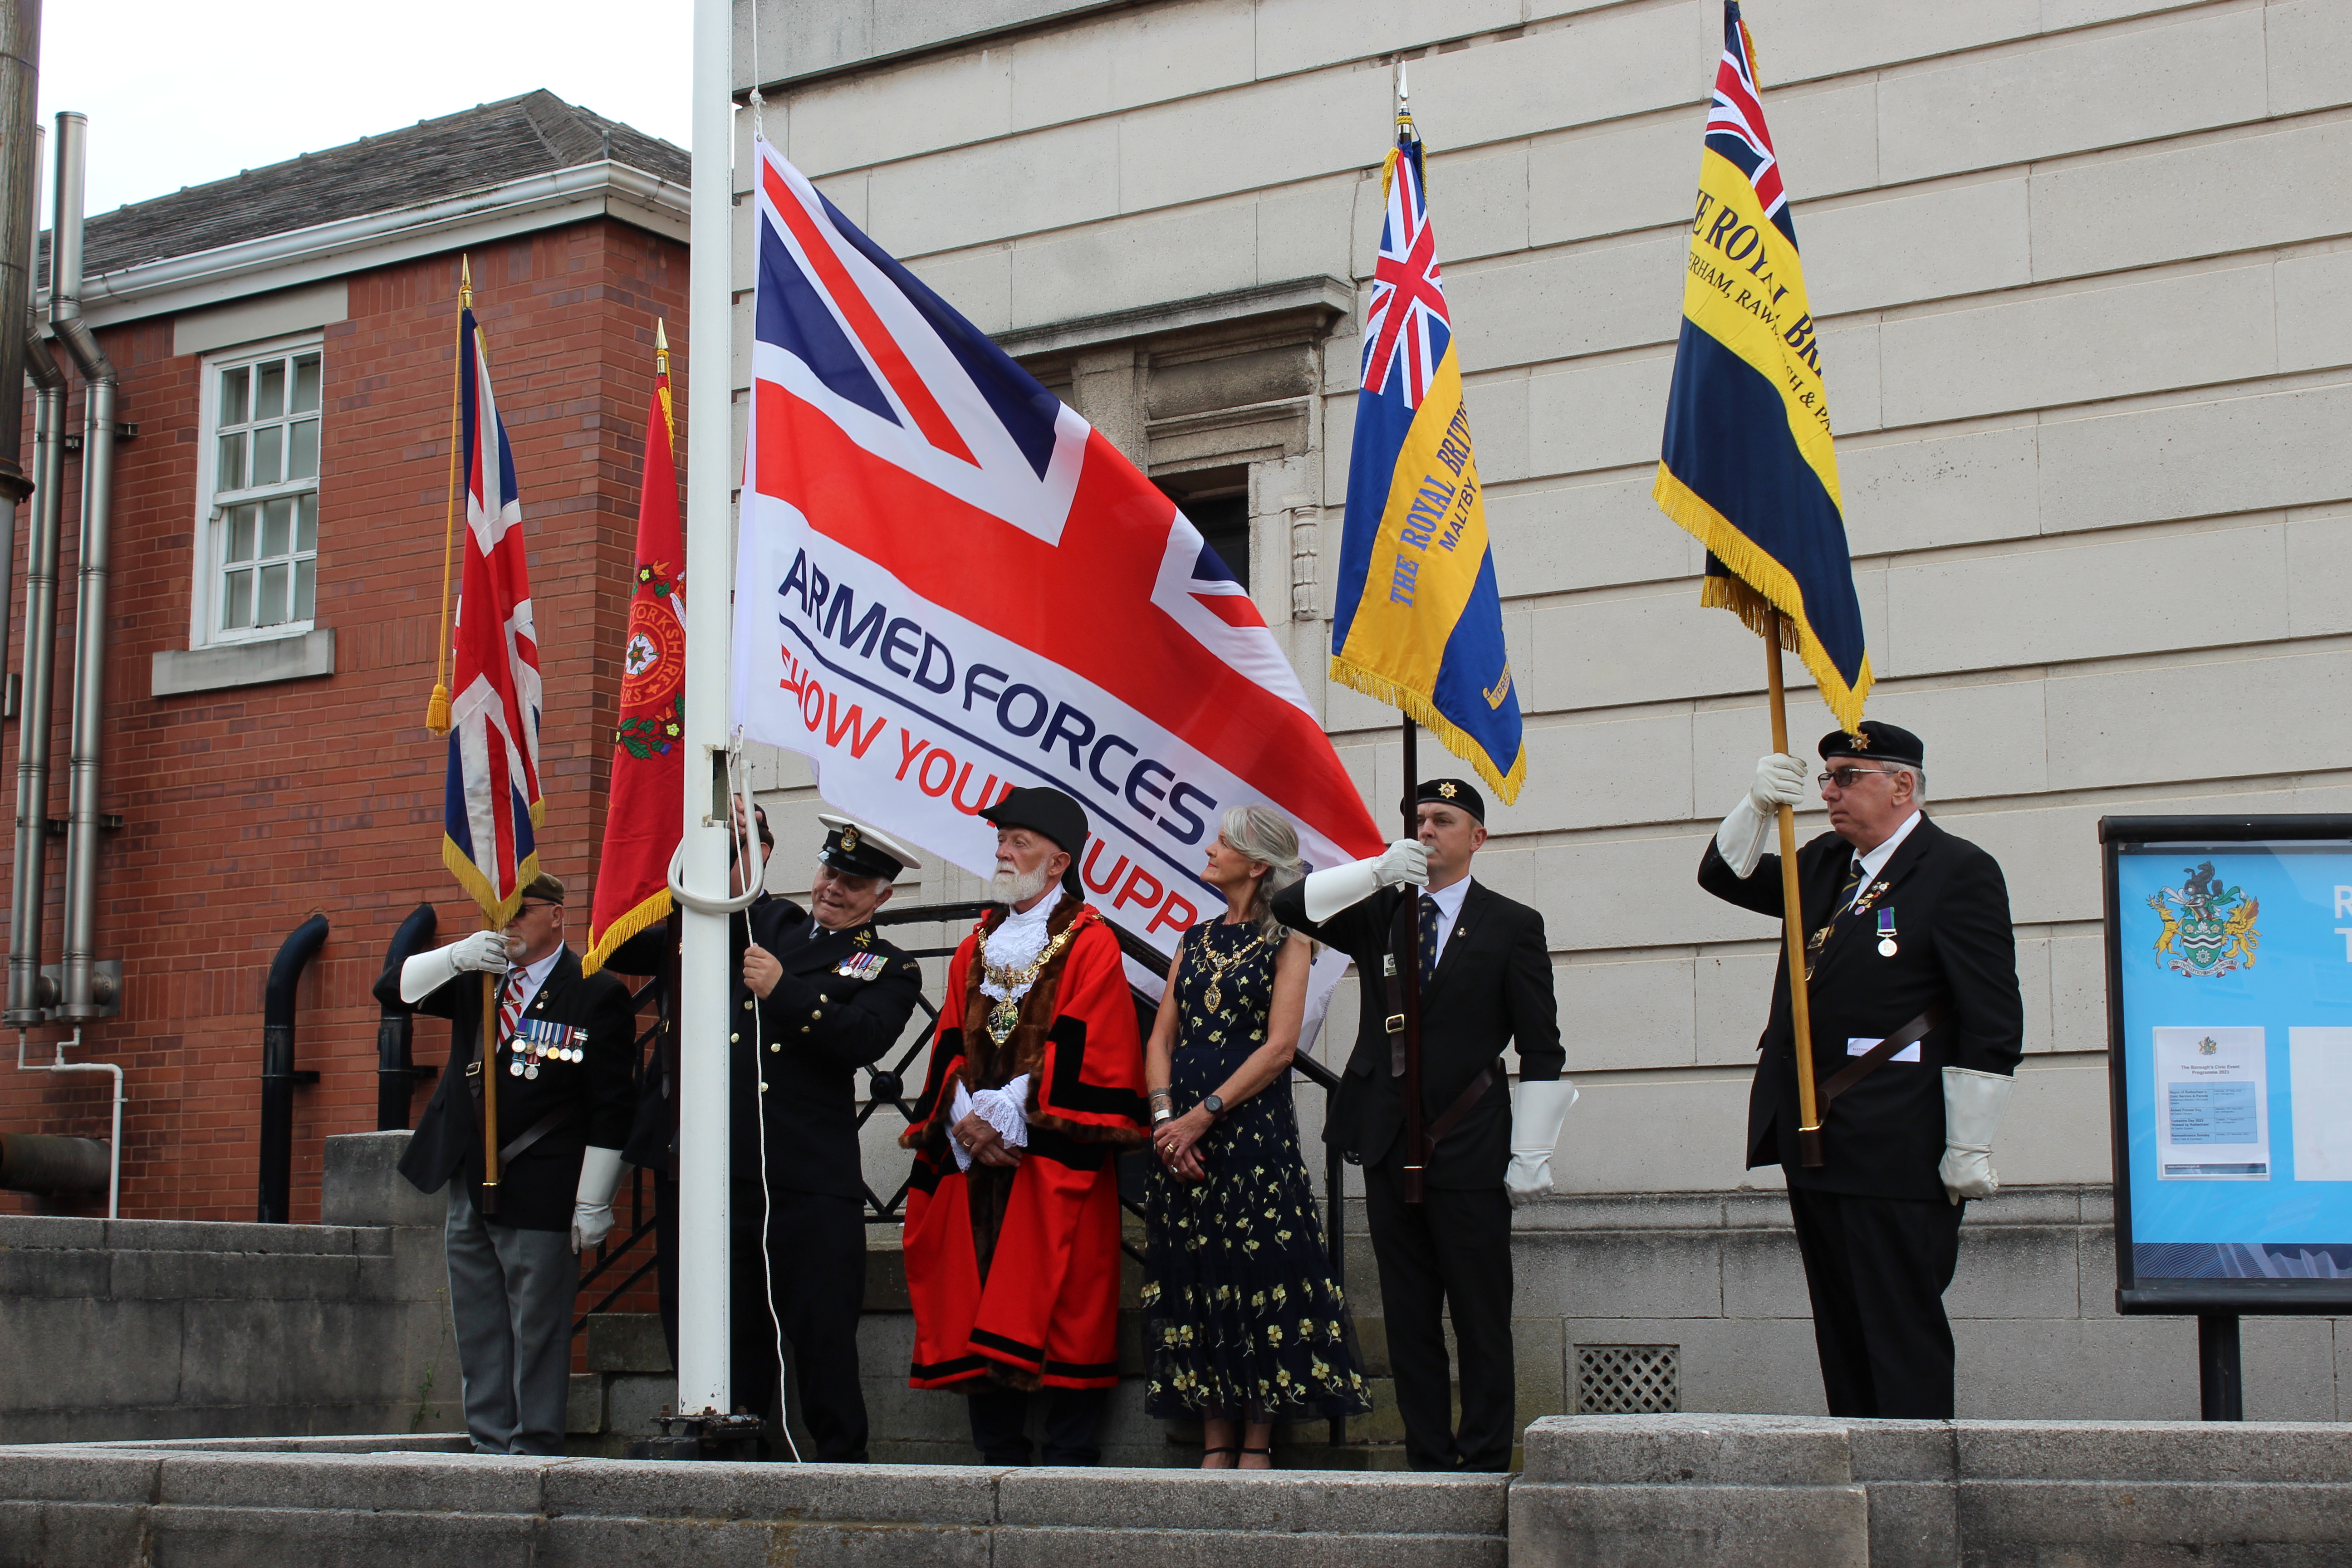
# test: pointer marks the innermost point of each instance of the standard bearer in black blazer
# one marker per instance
(1917, 1025)
(1490, 986)
(563, 1049)
(818, 993)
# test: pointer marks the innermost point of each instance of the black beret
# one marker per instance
(1876, 742)
(1454, 792)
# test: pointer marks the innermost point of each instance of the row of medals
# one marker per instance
(526, 1065)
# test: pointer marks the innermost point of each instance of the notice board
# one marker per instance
(2230, 1059)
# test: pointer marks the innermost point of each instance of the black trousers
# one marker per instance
(816, 1244)
(999, 1418)
(1451, 1252)
(1876, 1269)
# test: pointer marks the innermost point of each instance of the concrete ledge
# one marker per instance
(179, 672)
(1688, 1492)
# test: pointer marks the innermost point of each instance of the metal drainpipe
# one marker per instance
(278, 1075)
(20, 225)
(29, 891)
(82, 998)
(395, 1030)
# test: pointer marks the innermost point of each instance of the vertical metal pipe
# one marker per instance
(703, 992)
(29, 886)
(2221, 1376)
(20, 55)
(93, 570)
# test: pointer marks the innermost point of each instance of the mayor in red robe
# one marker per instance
(1012, 1212)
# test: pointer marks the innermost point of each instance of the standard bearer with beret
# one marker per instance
(564, 1046)
(818, 995)
(1485, 982)
(1911, 966)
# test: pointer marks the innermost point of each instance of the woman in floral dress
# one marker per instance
(1242, 1324)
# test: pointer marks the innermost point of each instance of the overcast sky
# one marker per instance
(181, 93)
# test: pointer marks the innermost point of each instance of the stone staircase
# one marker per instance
(630, 1380)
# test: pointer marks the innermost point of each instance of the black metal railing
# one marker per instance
(657, 993)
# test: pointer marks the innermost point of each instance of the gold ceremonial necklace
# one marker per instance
(1213, 997)
(1006, 1013)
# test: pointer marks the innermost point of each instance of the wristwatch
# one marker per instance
(1214, 1106)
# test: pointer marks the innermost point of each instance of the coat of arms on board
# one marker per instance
(2208, 929)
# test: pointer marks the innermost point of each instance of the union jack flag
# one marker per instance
(948, 584)
(1735, 125)
(492, 804)
(1405, 328)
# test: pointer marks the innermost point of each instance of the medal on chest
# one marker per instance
(538, 1041)
(861, 966)
(1886, 948)
(1014, 982)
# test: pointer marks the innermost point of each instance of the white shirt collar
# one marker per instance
(1875, 861)
(531, 977)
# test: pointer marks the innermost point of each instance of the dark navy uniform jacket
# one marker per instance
(595, 1095)
(1953, 946)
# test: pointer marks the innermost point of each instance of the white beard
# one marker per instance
(1016, 887)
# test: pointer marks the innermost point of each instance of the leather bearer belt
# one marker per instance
(1435, 1134)
(1878, 1056)
(528, 1135)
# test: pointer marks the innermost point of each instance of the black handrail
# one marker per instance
(396, 1073)
(278, 1075)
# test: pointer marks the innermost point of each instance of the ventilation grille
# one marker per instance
(1628, 1380)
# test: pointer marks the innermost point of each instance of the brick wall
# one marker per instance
(245, 810)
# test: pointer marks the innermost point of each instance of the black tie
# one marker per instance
(1845, 894)
(1428, 938)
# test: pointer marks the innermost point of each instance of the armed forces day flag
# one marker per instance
(1747, 465)
(493, 804)
(1418, 622)
(948, 584)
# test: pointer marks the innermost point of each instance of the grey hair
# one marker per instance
(1265, 835)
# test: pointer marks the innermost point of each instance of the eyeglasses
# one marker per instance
(1843, 777)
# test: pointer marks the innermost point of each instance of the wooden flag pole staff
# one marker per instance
(486, 1051)
(1411, 978)
(1793, 918)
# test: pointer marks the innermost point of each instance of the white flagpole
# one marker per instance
(703, 1336)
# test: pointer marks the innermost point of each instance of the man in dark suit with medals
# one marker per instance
(1487, 981)
(1911, 968)
(565, 1046)
(818, 995)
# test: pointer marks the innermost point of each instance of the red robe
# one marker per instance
(1014, 1274)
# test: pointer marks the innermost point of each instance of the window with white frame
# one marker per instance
(260, 572)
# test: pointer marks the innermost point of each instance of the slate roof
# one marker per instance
(490, 144)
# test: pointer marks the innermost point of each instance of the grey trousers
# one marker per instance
(511, 1297)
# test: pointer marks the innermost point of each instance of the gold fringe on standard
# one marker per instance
(496, 911)
(1421, 711)
(1759, 585)
(652, 911)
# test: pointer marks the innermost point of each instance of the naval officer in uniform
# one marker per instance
(818, 995)
(1487, 981)
(1911, 966)
(564, 1049)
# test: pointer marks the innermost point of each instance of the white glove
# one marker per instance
(1326, 893)
(1974, 1103)
(1780, 781)
(1537, 1109)
(592, 1211)
(483, 952)
(1000, 1107)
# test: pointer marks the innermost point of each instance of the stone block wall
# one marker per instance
(156, 1329)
